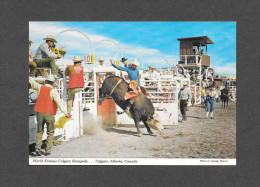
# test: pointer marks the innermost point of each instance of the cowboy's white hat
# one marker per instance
(51, 38)
(63, 49)
(135, 62)
(101, 59)
(152, 67)
(51, 79)
(77, 59)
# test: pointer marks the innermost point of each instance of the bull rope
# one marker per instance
(118, 82)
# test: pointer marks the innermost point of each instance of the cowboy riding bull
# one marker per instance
(130, 98)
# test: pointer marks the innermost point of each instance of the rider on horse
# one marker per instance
(133, 74)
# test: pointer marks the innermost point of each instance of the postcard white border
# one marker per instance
(130, 161)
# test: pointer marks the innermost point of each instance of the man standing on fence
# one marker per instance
(46, 107)
(76, 80)
(184, 97)
(44, 57)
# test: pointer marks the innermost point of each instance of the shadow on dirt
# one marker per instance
(120, 131)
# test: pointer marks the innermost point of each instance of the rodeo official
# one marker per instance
(184, 96)
(76, 80)
(46, 107)
(133, 74)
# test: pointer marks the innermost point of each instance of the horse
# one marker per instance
(141, 110)
(225, 94)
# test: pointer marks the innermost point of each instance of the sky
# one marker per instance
(151, 43)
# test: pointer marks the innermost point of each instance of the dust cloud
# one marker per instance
(92, 126)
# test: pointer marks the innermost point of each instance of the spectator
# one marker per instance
(62, 51)
(152, 74)
(202, 52)
(46, 107)
(193, 92)
(76, 80)
(62, 61)
(202, 92)
(32, 64)
(218, 94)
(124, 60)
(101, 62)
(44, 56)
(186, 74)
(210, 104)
(32, 100)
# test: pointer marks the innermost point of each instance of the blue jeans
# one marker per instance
(210, 104)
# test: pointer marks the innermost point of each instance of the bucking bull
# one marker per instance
(141, 110)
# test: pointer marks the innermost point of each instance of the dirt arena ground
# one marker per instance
(195, 138)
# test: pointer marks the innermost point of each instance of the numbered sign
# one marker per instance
(90, 59)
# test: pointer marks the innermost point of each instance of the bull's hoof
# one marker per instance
(139, 134)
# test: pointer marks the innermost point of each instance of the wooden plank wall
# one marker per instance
(186, 47)
(205, 60)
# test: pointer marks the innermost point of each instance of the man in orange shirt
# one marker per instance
(76, 80)
(46, 107)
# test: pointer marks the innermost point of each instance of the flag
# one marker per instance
(61, 122)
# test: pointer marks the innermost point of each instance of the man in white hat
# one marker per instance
(101, 62)
(76, 80)
(152, 74)
(133, 74)
(184, 96)
(62, 51)
(44, 56)
(46, 107)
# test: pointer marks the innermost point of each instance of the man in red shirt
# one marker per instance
(76, 80)
(46, 107)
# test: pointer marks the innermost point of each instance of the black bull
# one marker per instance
(142, 108)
